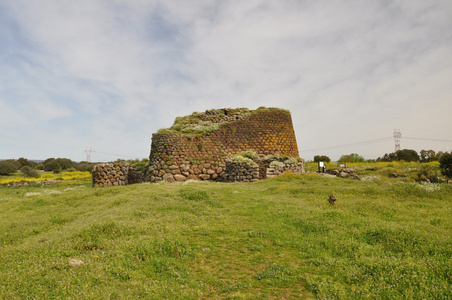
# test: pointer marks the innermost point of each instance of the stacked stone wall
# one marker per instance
(135, 176)
(110, 174)
(244, 172)
(203, 157)
(297, 168)
(114, 174)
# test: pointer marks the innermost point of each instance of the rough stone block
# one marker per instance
(180, 178)
(204, 176)
(168, 177)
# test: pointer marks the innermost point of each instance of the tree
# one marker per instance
(7, 168)
(28, 171)
(324, 158)
(58, 164)
(407, 155)
(428, 155)
(52, 165)
(351, 158)
(65, 163)
(387, 157)
(445, 164)
(23, 162)
(84, 166)
(438, 155)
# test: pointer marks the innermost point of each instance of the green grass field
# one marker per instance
(272, 239)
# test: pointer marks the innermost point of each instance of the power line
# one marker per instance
(314, 149)
(113, 154)
(348, 145)
(374, 141)
(428, 139)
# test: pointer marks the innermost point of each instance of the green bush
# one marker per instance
(427, 173)
(392, 172)
(25, 162)
(84, 166)
(351, 158)
(445, 164)
(405, 155)
(7, 168)
(58, 164)
(28, 171)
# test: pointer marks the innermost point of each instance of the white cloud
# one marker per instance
(348, 72)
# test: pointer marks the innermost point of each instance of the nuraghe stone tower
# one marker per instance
(198, 146)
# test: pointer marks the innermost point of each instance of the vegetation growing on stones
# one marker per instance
(277, 164)
(210, 120)
(428, 173)
(291, 160)
(240, 158)
(251, 155)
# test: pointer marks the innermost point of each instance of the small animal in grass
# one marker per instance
(332, 199)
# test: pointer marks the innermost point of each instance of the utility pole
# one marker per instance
(88, 153)
(397, 137)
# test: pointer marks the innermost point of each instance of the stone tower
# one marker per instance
(197, 146)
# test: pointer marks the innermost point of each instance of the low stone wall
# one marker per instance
(297, 168)
(187, 171)
(28, 183)
(115, 174)
(344, 173)
(237, 171)
(135, 176)
(110, 174)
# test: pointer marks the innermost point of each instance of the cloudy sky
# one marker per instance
(107, 74)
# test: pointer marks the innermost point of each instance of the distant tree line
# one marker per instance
(349, 158)
(408, 155)
(412, 155)
(400, 155)
(30, 168)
